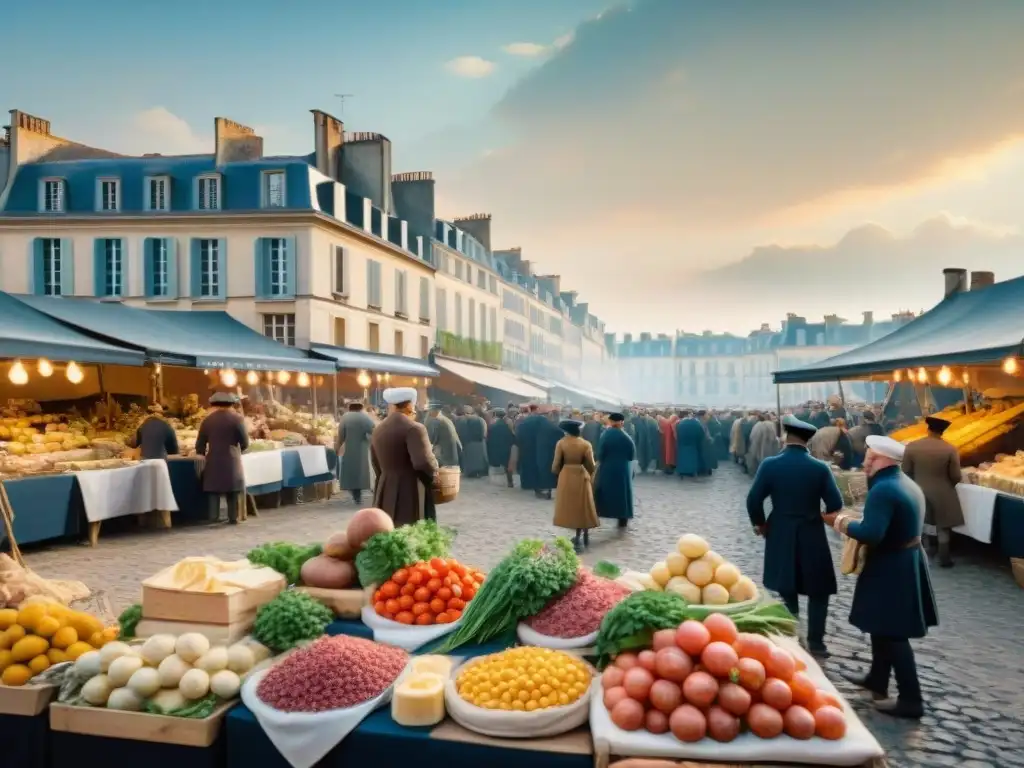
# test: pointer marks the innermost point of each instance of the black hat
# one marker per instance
(798, 429)
(223, 398)
(570, 426)
(936, 424)
(616, 417)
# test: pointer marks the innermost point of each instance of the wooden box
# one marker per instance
(217, 634)
(26, 700)
(346, 603)
(205, 607)
(139, 726)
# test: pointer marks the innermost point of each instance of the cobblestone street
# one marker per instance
(971, 667)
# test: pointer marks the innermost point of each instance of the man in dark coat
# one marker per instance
(613, 485)
(155, 438)
(708, 455)
(797, 555)
(527, 440)
(403, 462)
(592, 430)
(893, 600)
(858, 436)
(934, 465)
(444, 438)
(548, 435)
(690, 447)
(474, 444)
(221, 440)
(353, 448)
(500, 440)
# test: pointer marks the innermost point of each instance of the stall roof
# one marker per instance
(29, 333)
(200, 339)
(969, 328)
(348, 358)
(492, 377)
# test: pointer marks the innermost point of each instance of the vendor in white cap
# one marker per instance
(403, 461)
(893, 600)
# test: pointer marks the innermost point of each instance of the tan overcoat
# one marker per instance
(934, 465)
(574, 497)
(405, 467)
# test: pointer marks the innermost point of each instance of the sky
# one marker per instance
(682, 164)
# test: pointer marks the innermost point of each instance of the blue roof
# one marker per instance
(197, 339)
(352, 359)
(971, 328)
(28, 333)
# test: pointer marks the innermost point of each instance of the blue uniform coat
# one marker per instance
(691, 448)
(613, 486)
(797, 555)
(527, 433)
(500, 439)
(548, 436)
(893, 597)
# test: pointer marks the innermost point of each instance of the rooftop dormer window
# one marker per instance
(51, 195)
(208, 193)
(273, 191)
(158, 193)
(108, 195)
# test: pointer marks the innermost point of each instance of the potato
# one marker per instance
(327, 573)
(337, 546)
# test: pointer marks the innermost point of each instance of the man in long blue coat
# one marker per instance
(690, 447)
(548, 435)
(797, 555)
(893, 600)
(527, 432)
(613, 486)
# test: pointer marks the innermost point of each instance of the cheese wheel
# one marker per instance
(418, 700)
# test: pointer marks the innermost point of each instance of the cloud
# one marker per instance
(527, 50)
(470, 67)
(159, 130)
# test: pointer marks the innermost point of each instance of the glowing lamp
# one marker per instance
(158, 368)
(228, 378)
(302, 379)
(945, 376)
(45, 367)
(252, 378)
(966, 377)
(922, 376)
(363, 379)
(283, 377)
(74, 373)
(17, 375)
(897, 376)
(1010, 366)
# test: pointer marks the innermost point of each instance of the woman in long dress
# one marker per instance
(574, 496)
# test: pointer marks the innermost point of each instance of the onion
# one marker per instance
(719, 658)
(700, 689)
(764, 721)
(628, 715)
(666, 696)
(776, 694)
(722, 726)
(672, 664)
(656, 722)
(687, 724)
(637, 683)
(612, 677)
(613, 696)
(734, 699)
(692, 636)
(626, 661)
(798, 722)
(664, 638)
(646, 660)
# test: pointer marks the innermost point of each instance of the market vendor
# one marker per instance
(155, 437)
(221, 440)
(403, 462)
(934, 465)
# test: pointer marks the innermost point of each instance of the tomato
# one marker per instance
(437, 605)
(418, 609)
(424, 620)
(422, 595)
(392, 606)
(389, 589)
(454, 614)
(456, 589)
(431, 573)
(458, 569)
(400, 576)
(405, 617)
(442, 618)
(437, 563)
(407, 589)
(376, 596)
(434, 584)
(468, 594)
(406, 602)
(444, 594)
(416, 578)
(456, 604)
(380, 607)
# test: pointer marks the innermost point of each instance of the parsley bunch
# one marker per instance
(283, 557)
(385, 553)
(290, 618)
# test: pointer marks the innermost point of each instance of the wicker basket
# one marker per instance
(447, 487)
(1017, 564)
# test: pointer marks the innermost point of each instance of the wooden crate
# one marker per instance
(139, 726)
(26, 700)
(346, 603)
(217, 634)
(206, 607)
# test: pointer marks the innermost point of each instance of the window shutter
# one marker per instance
(35, 263)
(99, 268)
(67, 267)
(261, 267)
(292, 261)
(424, 298)
(222, 268)
(125, 285)
(148, 259)
(195, 278)
(173, 269)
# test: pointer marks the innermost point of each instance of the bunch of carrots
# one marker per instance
(430, 592)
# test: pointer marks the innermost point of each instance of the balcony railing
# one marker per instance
(488, 352)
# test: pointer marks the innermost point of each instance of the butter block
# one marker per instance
(418, 700)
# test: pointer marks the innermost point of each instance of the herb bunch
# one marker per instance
(284, 557)
(385, 553)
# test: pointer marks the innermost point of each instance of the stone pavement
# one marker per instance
(971, 667)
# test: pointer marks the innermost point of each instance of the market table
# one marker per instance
(992, 517)
(45, 507)
(356, 628)
(263, 472)
(1008, 525)
(186, 482)
(25, 741)
(304, 465)
(135, 490)
(74, 750)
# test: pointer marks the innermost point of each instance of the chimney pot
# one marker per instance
(869, 318)
(981, 280)
(955, 279)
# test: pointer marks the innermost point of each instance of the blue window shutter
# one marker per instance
(125, 291)
(222, 268)
(147, 267)
(195, 279)
(291, 260)
(67, 267)
(173, 270)
(261, 268)
(35, 259)
(99, 270)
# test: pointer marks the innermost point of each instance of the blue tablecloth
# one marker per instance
(73, 750)
(356, 628)
(187, 485)
(24, 741)
(294, 477)
(45, 507)
(1008, 525)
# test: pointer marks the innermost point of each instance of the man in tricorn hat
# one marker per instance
(222, 438)
(934, 464)
(797, 554)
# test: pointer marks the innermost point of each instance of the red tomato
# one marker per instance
(419, 609)
(444, 594)
(405, 617)
(392, 606)
(424, 619)
(434, 584)
(406, 602)
(389, 589)
(400, 576)
(437, 605)
(422, 595)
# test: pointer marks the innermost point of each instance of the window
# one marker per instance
(481, 279)
(494, 323)
(425, 299)
(424, 347)
(442, 309)
(109, 267)
(157, 193)
(51, 196)
(458, 314)
(208, 265)
(278, 267)
(108, 195)
(472, 318)
(493, 284)
(401, 294)
(280, 328)
(469, 274)
(399, 343)
(374, 337)
(208, 193)
(339, 331)
(273, 189)
(483, 322)
(458, 268)
(158, 255)
(340, 265)
(52, 252)
(373, 284)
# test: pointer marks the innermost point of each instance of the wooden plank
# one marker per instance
(207, 607)
(346, 603)
(575, 742)
(26, 700)
(217, 634)
(139, 726)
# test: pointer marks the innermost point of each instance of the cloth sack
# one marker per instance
(403, 636)
(529, 636)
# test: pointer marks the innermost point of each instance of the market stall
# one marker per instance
(364, 375)
(466, 379)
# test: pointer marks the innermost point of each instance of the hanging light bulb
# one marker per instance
(922, 376)
(228, 378)
(1010, 366)
(897, 376)
(302, 379)
(363, 379)
(945, 376)
(158, 368)
(17, 374)
(319, 381)
(45, 367)
(74, 373)
(252, 378)
(283, 377)
(206, 371)
(966, 377)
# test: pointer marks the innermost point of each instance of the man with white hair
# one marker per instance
(893, 600)
(403, 461)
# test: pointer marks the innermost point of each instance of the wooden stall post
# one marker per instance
(312, 381)
(842, 394)
(334, 393)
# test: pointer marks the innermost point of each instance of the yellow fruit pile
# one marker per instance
(524, 680)
(41, 634)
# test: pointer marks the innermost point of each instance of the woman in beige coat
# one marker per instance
(574, 496)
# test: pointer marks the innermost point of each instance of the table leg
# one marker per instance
(250, 506)
(94, 534)
(165, 517)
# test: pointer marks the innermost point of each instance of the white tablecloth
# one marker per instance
(979, 506)
(262, 467)
(313, 459)
(110, 493)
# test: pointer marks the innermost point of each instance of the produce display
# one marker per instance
(181, 676)
(969, 432)
(289, 619)
(285, 558)
(708, 680)
(19, 586)
(632, 623)
(331, 673)
(697, 573)
(383, 549)
(524, 680)
(1004, 473)
(579, 611)
(418, 699)
(212, 576)
(298, 427)
(41, 634)
(433, 592)
(518, 587)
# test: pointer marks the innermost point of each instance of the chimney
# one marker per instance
(329, 135)
(234, 142)
(956, 281)
(645, 337)
(706, 334)
(869, 318)
(981, 280)
(552, 282)
(765, 328)
(627, 338)
(478, 225)
(366, 167)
